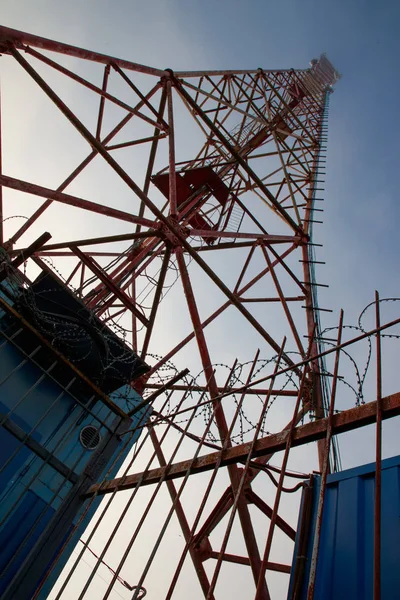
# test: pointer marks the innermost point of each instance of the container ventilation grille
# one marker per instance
(89, 437)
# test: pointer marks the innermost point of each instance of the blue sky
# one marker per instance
(360, 230)
(360, 38)
(361, 243)
(359, 233)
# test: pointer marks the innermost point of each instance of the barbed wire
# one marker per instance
(359, 328)
(245, 422)
(78, 338)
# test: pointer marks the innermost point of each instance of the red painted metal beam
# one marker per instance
(19, 38)
(93, 241)
(252, 474)
(223, 505)
(38, 190)
(243, 511)
(218, 312)
(242, 560)
(237, 156)
(270, 239)
(137, 190)
(251, 391)
(102, 93)
(183, 522)
(347, 420)
(253, 498)
(118, 293)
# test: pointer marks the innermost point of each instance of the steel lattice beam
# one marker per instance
(310, 432)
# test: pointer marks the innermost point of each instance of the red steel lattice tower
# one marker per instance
(197, 193)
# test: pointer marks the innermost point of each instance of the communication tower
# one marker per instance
(178, 294)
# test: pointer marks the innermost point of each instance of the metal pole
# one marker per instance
(325, 469)
(378, 467)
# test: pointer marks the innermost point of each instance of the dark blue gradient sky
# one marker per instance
(362, 214)
(361, 242)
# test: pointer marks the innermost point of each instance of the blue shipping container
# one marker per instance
(52, 424)
(345, 559)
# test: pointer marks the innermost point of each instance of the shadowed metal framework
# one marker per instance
(206, 252)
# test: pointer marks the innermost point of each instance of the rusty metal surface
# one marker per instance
(221, 254)
(311, 432)
(346, 562)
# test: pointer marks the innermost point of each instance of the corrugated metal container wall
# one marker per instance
(345, 559)
(47, 412)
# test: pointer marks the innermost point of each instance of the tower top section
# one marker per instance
(323, 74)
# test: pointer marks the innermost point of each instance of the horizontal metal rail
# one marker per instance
(347, 420)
